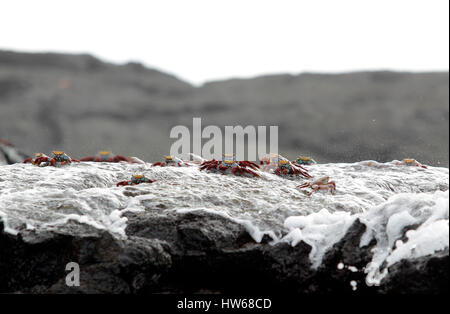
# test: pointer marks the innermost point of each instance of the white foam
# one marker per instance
(386, 222)
(320, 230)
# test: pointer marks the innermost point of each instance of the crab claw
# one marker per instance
(122, 183)
(28, 160)
(223, 168)
(39, 160)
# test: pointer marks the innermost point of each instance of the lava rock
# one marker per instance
(197, 252)
(107, 264)
(423, 275)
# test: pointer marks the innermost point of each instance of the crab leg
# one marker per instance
(332, 187)
(304, 185)
(90, 158)
(249, 164)
(251, 172)
(297, 170)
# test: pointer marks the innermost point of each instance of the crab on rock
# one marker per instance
(57, 158)
(230, 164)
(323, 183)
(287, 168)
(135, 180)
(410, 162)
(31, 160)
(171, 161)
(269, 162)
(105, 156)
(304, 161)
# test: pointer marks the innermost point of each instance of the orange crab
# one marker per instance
(287, 168)
(410, 162)
(322, 183)
(58, 158)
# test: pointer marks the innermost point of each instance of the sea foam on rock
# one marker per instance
(195, 231)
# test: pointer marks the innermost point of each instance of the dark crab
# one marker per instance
(135, 180)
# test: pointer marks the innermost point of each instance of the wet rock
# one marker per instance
(424, 275)
(198, 251)
(107, 265)
(351, 258)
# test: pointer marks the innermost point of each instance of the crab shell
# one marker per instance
(321, 181)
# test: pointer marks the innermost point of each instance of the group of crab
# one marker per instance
(283, 167)
(272, 163)
(61, 158)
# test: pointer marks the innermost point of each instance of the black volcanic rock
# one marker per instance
(196, 252)
(426, 274)
(107, 265)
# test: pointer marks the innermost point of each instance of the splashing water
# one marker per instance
(386, 197)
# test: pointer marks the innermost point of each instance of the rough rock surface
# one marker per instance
(195, 253)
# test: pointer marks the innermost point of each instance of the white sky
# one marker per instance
(200, 40)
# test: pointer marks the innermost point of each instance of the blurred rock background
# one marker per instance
(80, 104)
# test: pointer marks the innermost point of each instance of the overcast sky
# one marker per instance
(201, 40)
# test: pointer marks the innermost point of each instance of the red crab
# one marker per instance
(229, 162)
(105, 156)
(58, 158)
(269, 162)
(136, 179)
(32, 161)
(287, 168)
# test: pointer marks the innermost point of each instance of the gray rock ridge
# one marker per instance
(198, 252)
(81, 104)
(10, 154)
